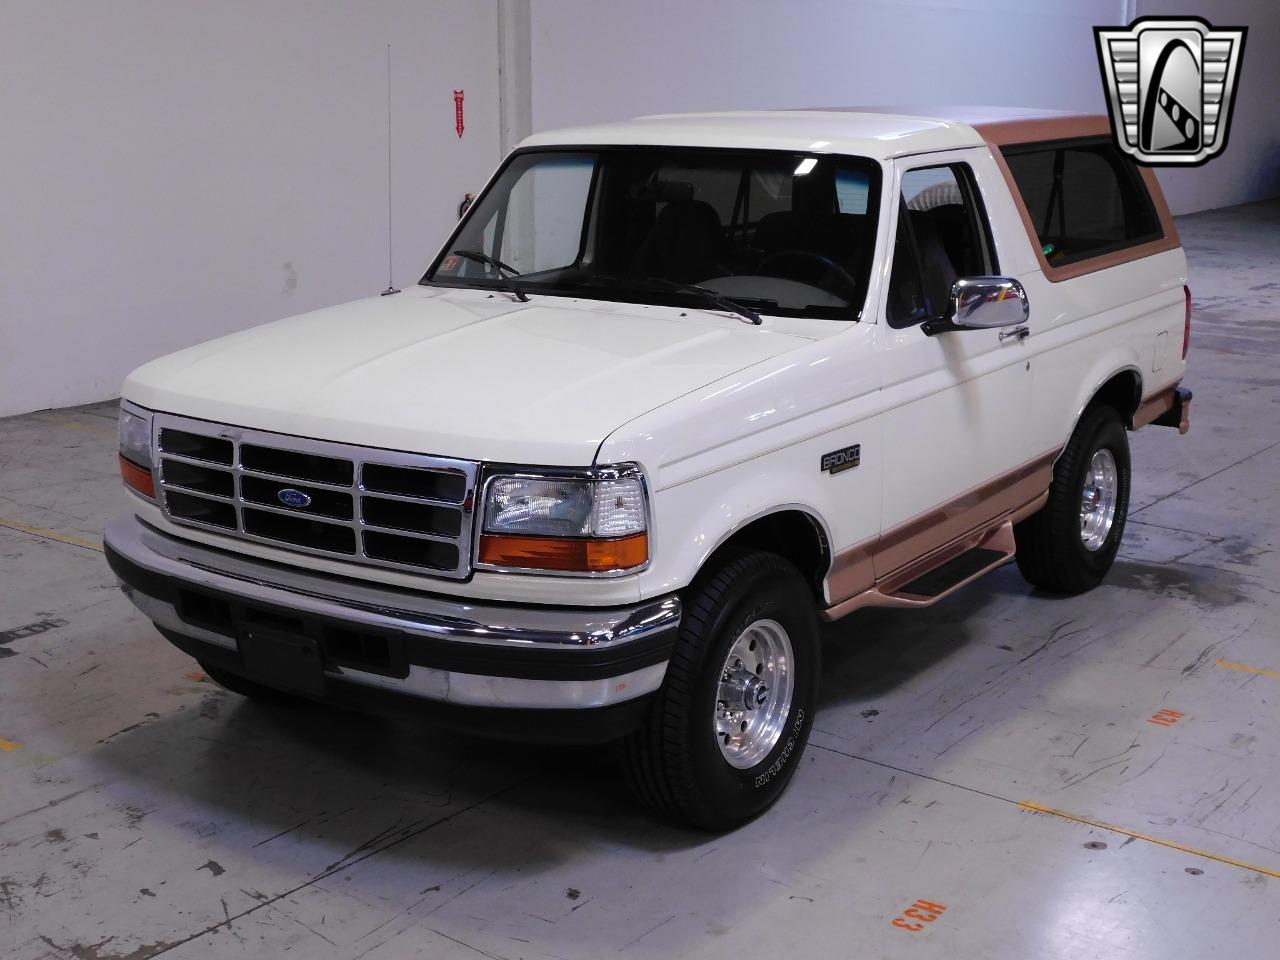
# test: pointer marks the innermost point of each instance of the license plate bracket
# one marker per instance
(288, 661)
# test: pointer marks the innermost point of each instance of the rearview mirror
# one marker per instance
(982, 303)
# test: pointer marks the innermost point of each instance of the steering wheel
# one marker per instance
(829, 265)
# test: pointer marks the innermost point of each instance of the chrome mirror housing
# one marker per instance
(982, 303)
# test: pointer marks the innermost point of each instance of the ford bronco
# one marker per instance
(674, 392)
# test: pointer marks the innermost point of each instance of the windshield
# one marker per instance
(779, 232)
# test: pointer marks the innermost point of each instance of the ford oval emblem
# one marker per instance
(293, 498)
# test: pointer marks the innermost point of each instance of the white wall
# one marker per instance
(170, 172)
(673, 55)
(600, 61)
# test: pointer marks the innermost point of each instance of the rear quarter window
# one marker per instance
(1085, 199)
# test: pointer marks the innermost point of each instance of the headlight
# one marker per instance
(548, 508)
(135, 451)
(566, 524)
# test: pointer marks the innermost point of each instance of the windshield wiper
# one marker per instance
(503, 271)
(484, 258)
(711, 297)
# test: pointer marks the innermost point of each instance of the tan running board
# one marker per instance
(940, 581)
(929, 579)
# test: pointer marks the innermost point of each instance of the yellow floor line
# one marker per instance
(83, 427)
(8, 746)
(1245, 668)
(49, 534)
(1040, 808)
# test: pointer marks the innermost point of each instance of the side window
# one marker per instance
(853, 191)
(942, 236)
(1084, 198)
(553, 194)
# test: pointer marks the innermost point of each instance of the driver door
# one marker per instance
(956, 428)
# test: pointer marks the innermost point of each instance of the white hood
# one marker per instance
(457, 373)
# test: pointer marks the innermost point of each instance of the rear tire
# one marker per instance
(1069, 545)
(748, 652)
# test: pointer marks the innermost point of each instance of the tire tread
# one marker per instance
(1046, 553)
(656, 757)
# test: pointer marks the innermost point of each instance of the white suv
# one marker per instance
(674, 391)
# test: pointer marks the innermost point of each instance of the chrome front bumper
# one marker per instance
(430, 647)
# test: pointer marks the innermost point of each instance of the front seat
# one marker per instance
(687, 243)
(777, 231)
(937, 272)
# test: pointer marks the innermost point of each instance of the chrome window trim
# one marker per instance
(619, 471)
(360, 456)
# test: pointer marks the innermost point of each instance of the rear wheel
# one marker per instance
(1071, 542)
(732, 718)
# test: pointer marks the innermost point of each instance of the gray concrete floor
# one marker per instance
(995, 754)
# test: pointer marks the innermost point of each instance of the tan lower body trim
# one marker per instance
(1155, 406)
(852, 570)
(867, 573)
(891, 592)
(981, 507)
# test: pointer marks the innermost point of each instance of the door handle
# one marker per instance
(1018, 333)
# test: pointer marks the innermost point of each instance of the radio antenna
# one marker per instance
(391, 287)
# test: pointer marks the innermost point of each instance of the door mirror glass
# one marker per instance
(982, 303)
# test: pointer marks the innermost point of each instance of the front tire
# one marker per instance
(1069, 545)
(732, 718)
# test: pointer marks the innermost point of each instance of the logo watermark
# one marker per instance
(1171, 84)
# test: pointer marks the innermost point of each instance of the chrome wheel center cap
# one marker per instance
(756, 695)
(743, 690)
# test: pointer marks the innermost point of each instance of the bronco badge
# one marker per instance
(838, 461)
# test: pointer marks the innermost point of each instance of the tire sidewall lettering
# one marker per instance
(788, 749)
(711, 790)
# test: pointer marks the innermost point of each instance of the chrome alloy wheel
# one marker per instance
(757, 683)
(1098, 500)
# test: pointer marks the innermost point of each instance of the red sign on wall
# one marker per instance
(457, 112)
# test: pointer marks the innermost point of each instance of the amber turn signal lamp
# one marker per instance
(563, 554)
(137, 478)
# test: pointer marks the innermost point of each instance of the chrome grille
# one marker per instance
(366, 505)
